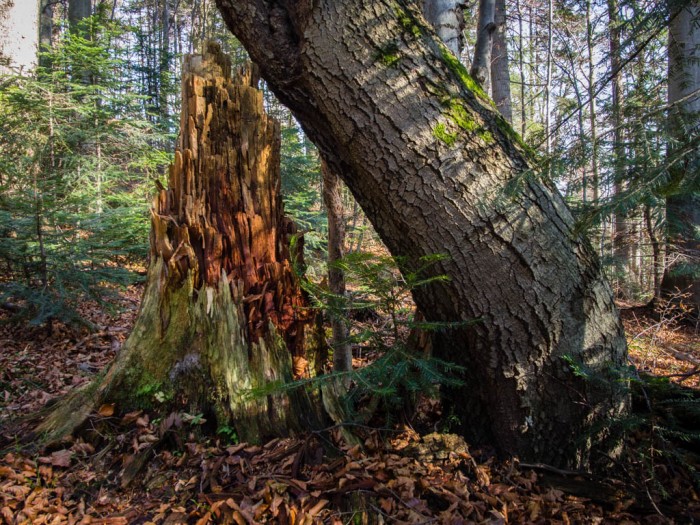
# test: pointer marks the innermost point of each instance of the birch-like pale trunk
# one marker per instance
(448, 22)
(481, 64)
(19, 35)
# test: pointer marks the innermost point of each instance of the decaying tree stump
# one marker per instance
(222, 314)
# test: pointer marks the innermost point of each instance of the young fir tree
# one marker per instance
(73, 163)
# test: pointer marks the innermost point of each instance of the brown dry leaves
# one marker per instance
(663, 347)
(406, 480)
(35, 368)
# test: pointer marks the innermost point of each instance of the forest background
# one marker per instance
(87, 137)
(595, 88)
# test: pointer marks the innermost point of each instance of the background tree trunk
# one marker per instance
(621, 249)
(46, 25)
(222, 314)
(683, 208)
(446, 18)
(438, 170)
(342, 351)
(595, 181)
(481, 65)
(78, 10)
(500, 70)
(19, 35)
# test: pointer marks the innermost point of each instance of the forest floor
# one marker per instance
(136, 469)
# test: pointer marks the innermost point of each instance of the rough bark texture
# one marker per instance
(222, 308)
(438, 170)
(448, 21)
(500, 70)
(683, 209)
(342, 351)
(481, 64)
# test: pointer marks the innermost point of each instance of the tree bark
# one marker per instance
(46, 24)
(500, 69)
(77, 11)
(19, 35)
(448, 22)
(621, 246)
(683, 207)
(438, 170)
(481, 65)
(222, 314)
(342, 351)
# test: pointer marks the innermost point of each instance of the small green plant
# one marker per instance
(382, 285)
(228, 433)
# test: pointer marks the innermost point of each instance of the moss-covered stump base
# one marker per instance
(188, 352)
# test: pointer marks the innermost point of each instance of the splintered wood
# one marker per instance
(222, 216)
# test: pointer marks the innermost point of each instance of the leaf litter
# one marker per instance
(132, 469)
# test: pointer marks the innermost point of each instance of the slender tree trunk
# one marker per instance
(78, 10)
(222, 314)
(342, 351)
(447, 20)
(548, 80)
(164, 66)
(434, 167)
(683, 207)
(500, 70)
(46, 24)
(620, 236)
(657, 252)
(481, 65)
(521, 60)
(595, 182)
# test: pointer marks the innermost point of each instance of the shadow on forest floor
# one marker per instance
(133, 469)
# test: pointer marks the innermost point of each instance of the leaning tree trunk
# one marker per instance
(438, 170)
(222, 313)
(683, 207)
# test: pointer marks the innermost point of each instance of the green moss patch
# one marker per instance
(388, 55)
(407, 22)
(440, 132)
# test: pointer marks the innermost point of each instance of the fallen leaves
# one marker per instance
(174, 478)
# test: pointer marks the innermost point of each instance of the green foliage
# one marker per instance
(228, 433)
(382, 284)
(660, 435)
(75, 163)
(388, 54)
(440, 132)
(300, 171)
